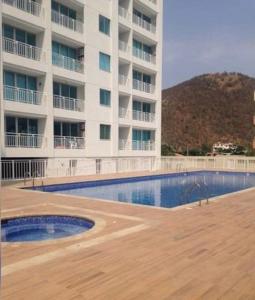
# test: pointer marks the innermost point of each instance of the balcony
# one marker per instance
(22, 95)
(144, 55)
(123, 46)
(144, 24)
(28, 6)
(123, 13)
(67, 63)
(143, 145)
(68, 103)
(143, 86)
(143, 116)
(123, 112)
(66, 21)
(23, 140)
(124, 144)
(21, 49)
(69, 142)
(123, 80)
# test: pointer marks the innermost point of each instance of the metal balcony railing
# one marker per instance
(28, 6)
(143, 86)
(67, 63)
(123, 46)
(66, 21)
(16, 94)
(69, 142)
(143, 116)
(68, 103)
(124, 144)
(123, 79)
(23, 140)
(123, 112)
(123, 12)
(143, 145)
(144, 24)
(21, 49)
(144, 55)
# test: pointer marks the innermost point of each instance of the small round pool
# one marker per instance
(40, 228)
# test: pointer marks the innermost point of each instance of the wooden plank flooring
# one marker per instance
(134, 252)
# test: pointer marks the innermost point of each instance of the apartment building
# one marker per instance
(80, 78)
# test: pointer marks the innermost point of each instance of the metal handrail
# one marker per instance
(25, 177)
(36, 174)
(201, 187)
(21, 49)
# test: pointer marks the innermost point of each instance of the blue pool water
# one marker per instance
(37, 228)
(161, 190)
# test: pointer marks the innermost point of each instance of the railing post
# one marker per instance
(29, 167)
(13, 170)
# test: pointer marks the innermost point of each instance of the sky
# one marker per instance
(207, 36)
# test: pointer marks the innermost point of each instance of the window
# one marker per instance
(60, 89)
(67, 129)
(64, 10)
(141, 135)
(64, 50)
(20, 81)
(142, 47)
(105, 97)
(21, 125)
(104, 25)
(19, 35)
(141, 15)
(141, 76)
(105, 132)
(104, 62)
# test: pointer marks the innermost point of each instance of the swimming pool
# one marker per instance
(168, 190)
(40, 228)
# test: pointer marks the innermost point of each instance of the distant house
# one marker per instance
(224, 147)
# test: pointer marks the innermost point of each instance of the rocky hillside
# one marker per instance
(207, 109)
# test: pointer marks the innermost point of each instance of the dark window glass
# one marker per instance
(104, 25)
(105, 97)
(105, 132)
(10, 124)
(57, 128)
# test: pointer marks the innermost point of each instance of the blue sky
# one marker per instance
(204, 36)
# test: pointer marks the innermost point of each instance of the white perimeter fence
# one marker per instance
(60, 167)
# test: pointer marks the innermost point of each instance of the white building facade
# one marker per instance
(80, 78)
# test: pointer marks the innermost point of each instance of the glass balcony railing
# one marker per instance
(123, 46)
(123, 80)
(123, 13)
(67, 63)
(144, 55)
(144, 24)
(123, 112)
(124, 144)
(143, 145)
(143, 116)
(16, 94)
(143, 86)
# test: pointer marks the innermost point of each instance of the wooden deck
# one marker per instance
(134, 252)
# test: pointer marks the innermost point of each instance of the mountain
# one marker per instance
(208, 109)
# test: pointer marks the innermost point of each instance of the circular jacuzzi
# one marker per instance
(41, 228)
